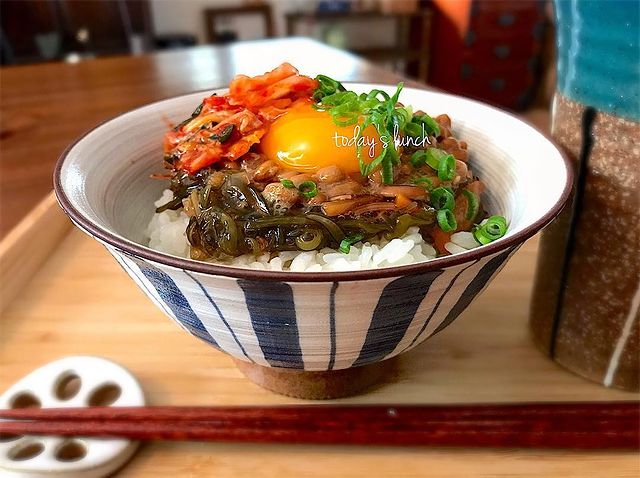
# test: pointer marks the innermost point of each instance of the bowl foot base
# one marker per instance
(316, 385)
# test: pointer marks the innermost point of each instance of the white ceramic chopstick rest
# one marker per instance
(69, 382)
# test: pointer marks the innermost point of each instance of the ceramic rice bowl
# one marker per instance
(301, 333)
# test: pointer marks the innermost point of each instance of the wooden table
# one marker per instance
(44, 107)
(78, 301)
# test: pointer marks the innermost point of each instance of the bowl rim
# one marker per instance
(134, 249)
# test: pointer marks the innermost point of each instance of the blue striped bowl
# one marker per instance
(309, 321)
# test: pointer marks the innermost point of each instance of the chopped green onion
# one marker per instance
(433, 157)
(401, 116)
(412, 129)
(386, 171)
(446, 220)
(327, 86)
(394, 157)
(494, 228)
(308, 189)
(385, 160)
(447, 168)
(287, 183)
(424, 182)
(347, 242)
(367, 169)
(473, 204)
(376, 108)
(341, 98)
(345, 119)
(396, 95)
(373, 94)
(419, 158)
(442, 198)
(430, 125)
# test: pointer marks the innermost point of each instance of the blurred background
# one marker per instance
(499, 51)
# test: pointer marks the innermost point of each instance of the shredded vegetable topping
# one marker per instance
(376, 108)
(242, 199)
(226, 127)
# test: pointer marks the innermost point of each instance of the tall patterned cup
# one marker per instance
(587, 293)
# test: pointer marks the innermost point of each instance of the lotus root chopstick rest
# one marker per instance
(70, 382)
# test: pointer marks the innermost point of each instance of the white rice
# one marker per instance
(166, 232)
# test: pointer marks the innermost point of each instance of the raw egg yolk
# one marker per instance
(306, 140)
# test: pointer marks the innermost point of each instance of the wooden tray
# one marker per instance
(63, 294)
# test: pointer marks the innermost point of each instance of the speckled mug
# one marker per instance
(320, 329)
(585, 308)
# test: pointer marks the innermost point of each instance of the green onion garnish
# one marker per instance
(438, 160)
(446, 220)
(308, 189)
(386, 160)
(327, 86)
(473, 205)
(442, 198)
(376, 108)
(347, 242)
(430, 125)
(447, 168)
(494, 228)
(401, 117)
(412, 129)
(433, 157)
(424, 182)
(287, 183)
(419, 158)
(386, 170)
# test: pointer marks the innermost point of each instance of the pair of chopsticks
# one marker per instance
(595, 425)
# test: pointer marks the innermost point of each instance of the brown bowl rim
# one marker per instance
(135, 249)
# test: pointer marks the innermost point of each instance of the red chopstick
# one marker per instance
(541, 425)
